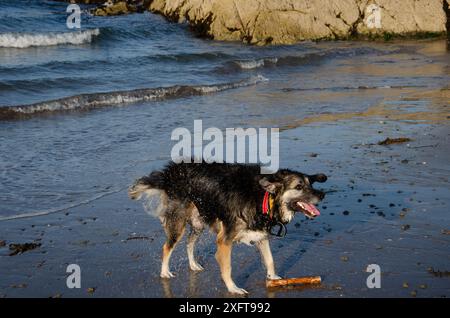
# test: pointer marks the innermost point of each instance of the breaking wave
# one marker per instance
(295, 60)
(25, 40)
(251, 64)
(96, 100)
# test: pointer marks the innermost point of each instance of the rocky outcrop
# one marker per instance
(118, 8)
(114, 7)
(288, 21)
(84, 1)
(263, 22)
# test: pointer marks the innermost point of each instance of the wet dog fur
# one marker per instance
(226, 198)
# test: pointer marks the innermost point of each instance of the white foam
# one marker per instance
(59, 209)
(24, 40)
(252, 64)
(87, 101)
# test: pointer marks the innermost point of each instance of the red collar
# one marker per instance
(266, 205)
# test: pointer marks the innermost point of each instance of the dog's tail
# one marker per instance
(146, 185)
(151, 188)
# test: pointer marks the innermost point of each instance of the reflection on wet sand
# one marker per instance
(274, 292)
(166, 288)
(437, 111)
(192, 291)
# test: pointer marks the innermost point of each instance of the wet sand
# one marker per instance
(388, 205)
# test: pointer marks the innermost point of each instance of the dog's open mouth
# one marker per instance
(308, 209)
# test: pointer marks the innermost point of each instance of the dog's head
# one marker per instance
(293, 192)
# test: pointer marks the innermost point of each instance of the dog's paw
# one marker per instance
(238, 291)
(274, 276)
(167, 274)
(196, 267)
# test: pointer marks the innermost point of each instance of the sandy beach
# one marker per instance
(84, 113)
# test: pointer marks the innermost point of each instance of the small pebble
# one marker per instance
(406, 227)
(19, 286)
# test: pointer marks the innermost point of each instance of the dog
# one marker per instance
(234, 200)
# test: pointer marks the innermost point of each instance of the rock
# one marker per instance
(288, 21)
(118, 8)
(91, 290)
(84, 1)
(22, 248)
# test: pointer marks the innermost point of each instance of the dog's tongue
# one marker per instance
(310, 208)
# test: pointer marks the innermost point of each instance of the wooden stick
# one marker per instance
(293, 281)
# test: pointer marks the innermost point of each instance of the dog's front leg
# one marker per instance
(266, 255)
(223, 257)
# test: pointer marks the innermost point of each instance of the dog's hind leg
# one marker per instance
(197, 226)
(174, 225)
(266, 255)
(223, 257)
(192, 238)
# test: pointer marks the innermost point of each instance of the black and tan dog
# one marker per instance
(238, 202)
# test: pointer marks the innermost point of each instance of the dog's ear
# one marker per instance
(270, 184)
(317, 178)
